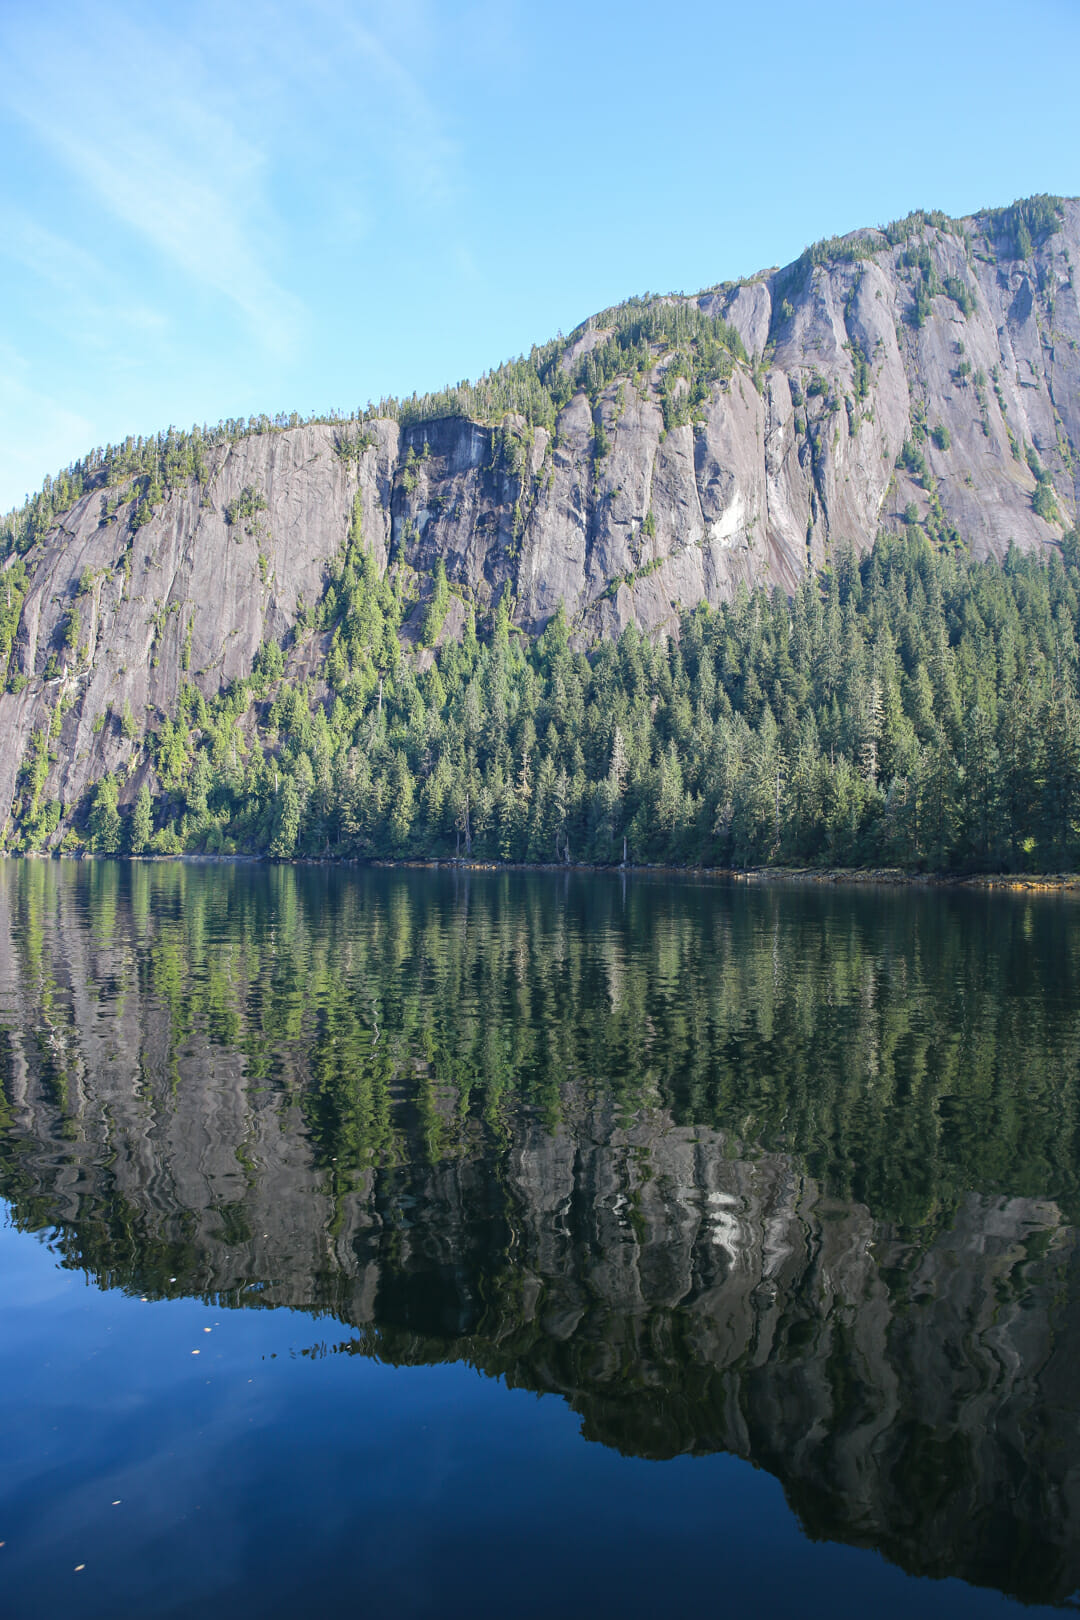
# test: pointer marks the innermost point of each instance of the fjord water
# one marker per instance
(316, 1179)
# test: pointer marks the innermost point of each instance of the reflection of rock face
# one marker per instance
(919, 1396)
(680, 1299)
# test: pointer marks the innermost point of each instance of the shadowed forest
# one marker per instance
(913, 708)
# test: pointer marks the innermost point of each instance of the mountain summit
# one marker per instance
(922, 376)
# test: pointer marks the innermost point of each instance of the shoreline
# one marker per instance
(861, 877)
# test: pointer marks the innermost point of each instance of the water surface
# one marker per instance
(770, 1194)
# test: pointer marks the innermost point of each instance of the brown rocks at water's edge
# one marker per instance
(794, 452)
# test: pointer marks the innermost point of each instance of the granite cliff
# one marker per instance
(667, 453)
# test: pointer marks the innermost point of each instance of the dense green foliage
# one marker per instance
(1024, 224)
(913, 708)
(887, 1042)
(12, 592)
(576, 1131)
(632, 338)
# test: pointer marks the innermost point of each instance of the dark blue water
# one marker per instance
(417, 1244)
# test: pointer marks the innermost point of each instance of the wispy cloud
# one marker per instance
(206, 206)
(83, 302)
(167, 165)
(409, 125)
(182, 131)
(357, 73)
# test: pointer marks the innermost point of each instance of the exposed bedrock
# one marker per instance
(798, 449)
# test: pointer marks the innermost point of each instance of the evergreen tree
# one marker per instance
(142, 821)
(105, 817)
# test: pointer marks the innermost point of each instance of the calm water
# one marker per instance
(408, 1243)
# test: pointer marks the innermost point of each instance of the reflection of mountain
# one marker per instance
(916, 1390)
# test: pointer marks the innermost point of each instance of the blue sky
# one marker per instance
(209, 210)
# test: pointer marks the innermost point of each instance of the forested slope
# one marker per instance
(916, 708)
(621, 589)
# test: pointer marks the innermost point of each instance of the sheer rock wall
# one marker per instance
(793, 453)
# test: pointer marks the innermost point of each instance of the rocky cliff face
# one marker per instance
(931, 373)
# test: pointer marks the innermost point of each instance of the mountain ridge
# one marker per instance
(670, 452)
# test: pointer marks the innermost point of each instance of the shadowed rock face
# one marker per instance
(795, 451)
(914, 1388)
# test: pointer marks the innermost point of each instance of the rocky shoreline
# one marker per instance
(886, 877)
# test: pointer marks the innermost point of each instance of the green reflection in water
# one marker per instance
(786, 1171)
(908, 1046)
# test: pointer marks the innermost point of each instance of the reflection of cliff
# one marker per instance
(921, 1400)
(914, 1389)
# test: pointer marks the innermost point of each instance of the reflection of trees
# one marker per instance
(763, 1170)
(908, 1047)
